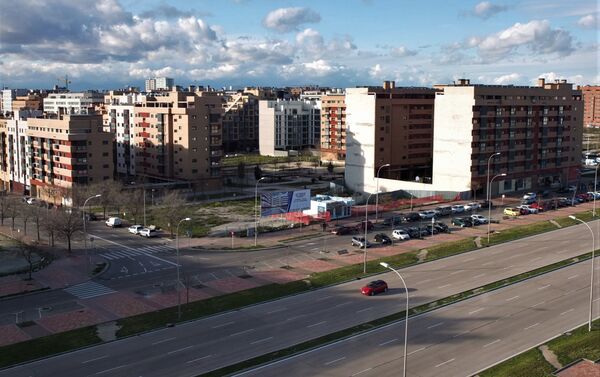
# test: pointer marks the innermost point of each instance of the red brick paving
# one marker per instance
(70, 320)
(63, 272)
(316, 265)
(583, 368)
(10, 334)
(231, 284)
(15, 284)
(170, 298)
(278, 276)
(122, 304)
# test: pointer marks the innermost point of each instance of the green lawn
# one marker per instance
(450, 248)
(527, 364)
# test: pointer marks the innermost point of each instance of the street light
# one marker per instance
(489, 199)
(177, 262)
(488, 172)
(377, 190)
(84, 228)
(256, 211)
(592, 275)
(406, 315)
(366, 230)
(595, 180)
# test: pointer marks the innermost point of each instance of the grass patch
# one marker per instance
(585, 216)
(518, 232)
(450, 248)
(527, 364)
(255, 159)
(47, 345)
(580, 344)
(242, 207)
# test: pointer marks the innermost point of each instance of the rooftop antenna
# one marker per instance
(65, 80)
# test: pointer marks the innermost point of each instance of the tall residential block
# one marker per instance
(333, 126)
(73, 103)
(240, 122)
(159, 83)
(591, 105)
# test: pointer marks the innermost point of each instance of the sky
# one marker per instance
(110, 44)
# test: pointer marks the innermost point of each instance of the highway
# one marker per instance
(221, 340)
(460, 339)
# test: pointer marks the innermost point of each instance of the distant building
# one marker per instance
(29, 101)
(8, 96)
(72, 103)
(333, 126)
(286, 126)
(159, 83)
(119, 113)
(240, 122)
(591, 105)
(330, 207)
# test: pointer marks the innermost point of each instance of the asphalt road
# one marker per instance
(217, 341)
(460, 339)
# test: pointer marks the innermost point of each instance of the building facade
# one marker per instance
(591, 105)
(240, 123)
(8, 95)
(286, 126)
(333, 126)
(159, 83)
(118, 117)
(72, 103)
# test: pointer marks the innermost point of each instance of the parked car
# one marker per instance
(90, 217)
(593, 195)
(413, 232)
(458, 208)
(528, 201)
(31, 201)
(341, 230)
(135, 229)
(360, 242)
(374, 287)
(429, 230)
(540, 206)
(478, 219)
(390, 221)
(487, 204)
(530, 195)
(383, 238)
(430, 214)
(584, 197)
(148, 232)
(361, 226)
(114, 222)
(444, 210)
(462, 222)
(400, 234)
(411, 216)
(528, 208)
(441, 227)
(473, 206)
(512, 211)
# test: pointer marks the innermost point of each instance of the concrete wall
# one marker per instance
(266, 129)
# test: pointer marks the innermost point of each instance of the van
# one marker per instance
(444, 210)
(114, 222)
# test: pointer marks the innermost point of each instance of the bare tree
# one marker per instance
(66, 224)
(12, 211)
(110, 191)
(4, 203)
(25, 211)
(28, 253)
(133, 201)
(37, 214)
(173, 210)
(50, 225)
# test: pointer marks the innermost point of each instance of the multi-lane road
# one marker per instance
(221, 340)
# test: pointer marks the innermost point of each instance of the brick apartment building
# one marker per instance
(591, 105)
(333, 126)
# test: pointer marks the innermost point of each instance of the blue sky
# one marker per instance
(114, 43)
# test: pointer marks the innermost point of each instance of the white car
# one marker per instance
(528, 208)
(458, 208)
(400, 234)
(530, 195)
(148, 232)
(478, 219)
(114, 222)
(135, 229)
(472, 206)
(428, 214)
(595, 195)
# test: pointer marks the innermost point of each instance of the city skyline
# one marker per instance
(111, 43)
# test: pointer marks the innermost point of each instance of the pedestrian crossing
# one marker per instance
(88, 290)
(131, 253)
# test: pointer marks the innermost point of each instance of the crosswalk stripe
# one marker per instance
(88, 290)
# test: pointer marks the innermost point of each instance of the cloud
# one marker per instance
(507, 79)
(311, 45)
(486, 9)
(289, 19)
(167, 11)
(553, 76)
(401, 52)
(588, 22)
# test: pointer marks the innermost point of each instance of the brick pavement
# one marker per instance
(169, 298)
(231, 284)
(122, 304)
(10, 334)
(13, 284)
(70, 320)
(280, 276)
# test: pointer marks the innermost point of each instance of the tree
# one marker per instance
(173, 210)
(26, 211)
(133, 203)
(257, 172)
(50, 225)
(4, 203)
(66, 224)
(330, 167)
(28, 253)
(12, 211)
(110, 191)
(241, 170)
(37, 213)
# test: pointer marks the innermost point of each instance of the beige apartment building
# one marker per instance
(333, 127)
(30, 101)
(591, 105)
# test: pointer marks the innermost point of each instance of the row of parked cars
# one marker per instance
(438, 212)
(469, 221)
(531, 203)
(402, 234)
(116, 222)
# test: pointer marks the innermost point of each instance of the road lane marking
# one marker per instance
(335, 361)
(509, 267)
(535, 259)
(538, 304)
(425, 281)
(468, 259)
(129, 248)
(444, 286)
(343, 303)
(489, 344)
(277, 310)
(365, 309)
(296, 317)
(361, 372)
(572, 277)
(198, 359)
(532, 326)
(568, 311)
(512, 298)
(544, 287)
(456, 272)
(317, 324)
(163, 340)
(97, 358)
(322, 298)
(223, 324)
(476, 311)
(478, 276)
(241, 332)
(445, 362)
(487, 264)
(415, 351)
(179, 350)
(262, 340)
(388, 342)
(436, 325)
(111, 369)
(461, 333)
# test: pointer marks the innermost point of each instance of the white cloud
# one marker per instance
(311, 44)
(288, 19)
(375, 71)
(402, 51)
(553, 76)
(508, 79)
(588, 22)
(486, 9)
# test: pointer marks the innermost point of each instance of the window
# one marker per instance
(105, 142)
(105, 154)
(105, 166)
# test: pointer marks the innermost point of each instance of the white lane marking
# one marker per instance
(445, 362)
(316, 324)
(322, 298)
(241, 332)
(487, 264)
(436, 325)
(163, 340)
(415, 351)
(343, 303)
(509, 267)
(443, 286)
(532, 326)
(572, 277)
(361, 372)
(111, 369)
(476, 311)
(262, 340)
(296, 317)
(198, 359)
(478, 276)
(179, 350)
(461, 333)
(544, 287)
(126, 247)
(335, 361)
(512, 298)
(534, 259)
(97, 358)
(365, 309)
(388, 342)
(538, 304)
(468, 259)
(489, 344)
(425, 281)
(311, 243)
(456, 272)
(223, 324)
(277, 310)
(568, 311)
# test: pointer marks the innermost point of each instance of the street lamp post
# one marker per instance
(84, 228)
(488, 172)
(366, 230)
(377, 192)
(177, 262)
(595, 180)
(489, 199)
(256, 211)
(592, 274)
(406, 315)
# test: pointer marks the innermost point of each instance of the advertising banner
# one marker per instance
(276, 203)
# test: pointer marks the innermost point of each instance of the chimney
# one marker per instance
(464, 82)
(386, 85)
(392, 84)
(563, 81)
(541, 82)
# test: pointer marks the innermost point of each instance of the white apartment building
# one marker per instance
(119, 120)
(18, 148)
(159, 83)
(286, 126)
(72, 103)
(8, 95)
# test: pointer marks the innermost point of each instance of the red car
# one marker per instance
(374, 287)
(537, 205)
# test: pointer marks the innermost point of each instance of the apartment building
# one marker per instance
(591, 105)
(388, 125)
(536, 130)
(8, 96)
(333, 126)
(240, 122)
(159, 83)
(286, 126)
(72, 103)
(118, 117)
(29, 101)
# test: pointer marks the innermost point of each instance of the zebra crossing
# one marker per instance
(131, 253)
(88, 290)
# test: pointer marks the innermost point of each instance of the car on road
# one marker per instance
(341, 230)
(383, 238)
(528, 208)
(444, 210)
(114, 222)
(462, 222)
(430, 214)
(429, 230)
(363, 224)
(478, 219)
(360, 242)
(90, 217)
(135, 229)
(473, 206)
(458, 208)
(400, 234)
(413, 232)
(530, 195)
(148, 232)
(395, 220)
(374, 287)
(411, 216)
(510, 211)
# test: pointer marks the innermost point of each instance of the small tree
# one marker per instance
(28, 253)
(66, 224)
(173, 210)
(50, 225)
(12, 211)
(133, 202)
(25, 211)
(37, 214)
(110, 191)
